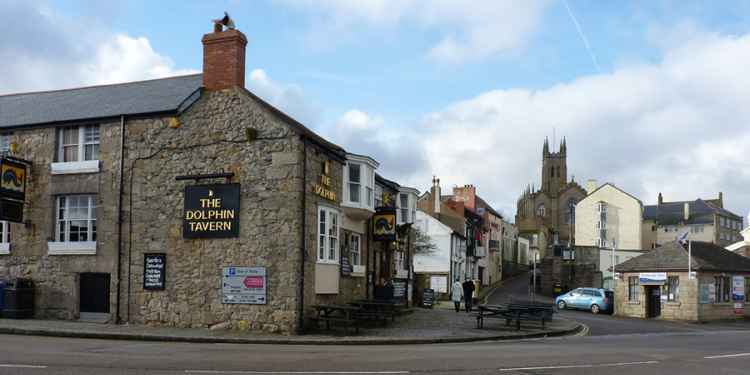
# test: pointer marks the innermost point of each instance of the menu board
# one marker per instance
(428, 297)
(154, 271)
(399, 288)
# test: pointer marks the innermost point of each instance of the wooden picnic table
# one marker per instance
(515, 311)
(376, 309)
(346, 314)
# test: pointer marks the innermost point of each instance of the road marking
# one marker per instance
(728, 356)
(579, 366)
(297, 372)
(8, 365)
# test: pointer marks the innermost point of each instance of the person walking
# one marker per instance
(456, 294)
(468, 287)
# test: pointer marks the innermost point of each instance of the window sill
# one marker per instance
(358, 270)
(673, 303)
(71, 248)
(634, 302)
(75, 167)
(4, 248)
(328, 262)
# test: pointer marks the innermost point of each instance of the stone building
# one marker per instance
(742, 247)
(657, 284)
(706, 220)
(149, 202)
(545, 216)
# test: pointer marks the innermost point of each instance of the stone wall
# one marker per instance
(56, 276)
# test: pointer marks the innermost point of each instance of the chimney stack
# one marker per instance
(686, 211)
(660, 201)
(435, 192)
(224, 59)
(721, 199)
(590, 186)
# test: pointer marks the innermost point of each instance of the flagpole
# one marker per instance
(690, 258)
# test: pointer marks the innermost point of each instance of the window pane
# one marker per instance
(70, 153)
(91, 134)
(91, 152)
(4, 142)
(70, 136)
(354, 173)
(354, 192)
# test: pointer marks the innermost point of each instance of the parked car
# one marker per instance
(593, 299)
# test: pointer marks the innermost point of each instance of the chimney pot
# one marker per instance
(661, 200)
(686, 213)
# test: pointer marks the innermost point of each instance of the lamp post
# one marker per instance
(614, 248)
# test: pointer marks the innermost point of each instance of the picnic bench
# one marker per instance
(377, 310)
(347, 315)
(515, 311)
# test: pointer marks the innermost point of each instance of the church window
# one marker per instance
(540, 210)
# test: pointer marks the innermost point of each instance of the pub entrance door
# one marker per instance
(94, 293)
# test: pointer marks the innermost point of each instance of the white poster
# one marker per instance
(244, 285)
(439, 284)
(738, 288)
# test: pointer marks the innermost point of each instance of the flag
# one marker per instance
(683, 239)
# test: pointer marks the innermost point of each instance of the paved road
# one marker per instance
(675, 353)
(605, 324)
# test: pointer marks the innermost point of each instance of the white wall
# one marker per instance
(624, 218)
(440, 259)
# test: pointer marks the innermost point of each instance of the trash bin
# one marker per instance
(18, 299)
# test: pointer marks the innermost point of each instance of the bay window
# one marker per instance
(406, 203)
(359, 182)
(328, 235)
(4, 237)
(355, 186)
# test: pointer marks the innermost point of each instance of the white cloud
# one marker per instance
(42, 50)
(679, 127)
(288, 97)
(469, 30)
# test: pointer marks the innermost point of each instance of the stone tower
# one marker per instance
(554, 169)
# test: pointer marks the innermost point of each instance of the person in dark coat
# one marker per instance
(468, 293)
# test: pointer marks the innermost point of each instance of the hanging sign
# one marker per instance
(12, 179)
(244, 285)
(384, 225)
(211, 211)
(154, 271)
(11, 210)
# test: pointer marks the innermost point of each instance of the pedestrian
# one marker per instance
(468, 286)
(456, 294)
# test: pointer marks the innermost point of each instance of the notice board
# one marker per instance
(244, 285)
(154, 271)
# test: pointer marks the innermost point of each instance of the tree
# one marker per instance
(423, 243)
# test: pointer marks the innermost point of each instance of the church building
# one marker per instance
(547, 216)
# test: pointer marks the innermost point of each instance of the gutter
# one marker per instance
(119, 217)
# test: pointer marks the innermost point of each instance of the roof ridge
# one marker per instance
(96, 86)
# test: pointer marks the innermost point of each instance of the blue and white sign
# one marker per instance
(652, 278)
(244, 285)
(738, 288)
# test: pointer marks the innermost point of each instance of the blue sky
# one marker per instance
(406, 80)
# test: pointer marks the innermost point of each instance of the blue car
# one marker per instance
(593, 299)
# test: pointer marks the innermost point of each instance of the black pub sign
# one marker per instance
(211, 211)
(154, 271)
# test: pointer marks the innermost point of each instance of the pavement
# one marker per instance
(423, 326)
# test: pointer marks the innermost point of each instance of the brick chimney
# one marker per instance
(466, 194)
(224, 59)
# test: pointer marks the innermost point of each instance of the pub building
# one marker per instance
(711, 283)
(190, 202)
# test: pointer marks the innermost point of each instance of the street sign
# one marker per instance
(244, 285)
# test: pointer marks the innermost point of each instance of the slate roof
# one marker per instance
(673, 256)
(386, 182)
(163, 95)
(97, 102)
(671, 213)
(482, 203)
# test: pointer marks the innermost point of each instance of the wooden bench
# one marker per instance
(515, 311)
(345, 315)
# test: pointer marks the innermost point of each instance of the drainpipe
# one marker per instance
(119, 217)
(303, 248)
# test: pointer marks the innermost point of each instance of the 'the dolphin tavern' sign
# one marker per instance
(211, 211)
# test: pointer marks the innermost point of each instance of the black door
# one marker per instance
(654, 301)
(94, 292)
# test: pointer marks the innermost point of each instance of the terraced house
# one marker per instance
(185, 201)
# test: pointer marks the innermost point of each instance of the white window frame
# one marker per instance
(401, 209)
(355, 248)
(81, 164)
(323, 241)
(350, 183)
(5, 142)
(5, 238)
(62, 244)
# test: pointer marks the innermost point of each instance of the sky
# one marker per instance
(651, 96)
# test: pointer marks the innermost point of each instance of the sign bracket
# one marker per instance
(198, 177)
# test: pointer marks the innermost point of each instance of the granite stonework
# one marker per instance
(211, 137)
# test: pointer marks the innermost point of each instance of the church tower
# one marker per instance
(554, 169)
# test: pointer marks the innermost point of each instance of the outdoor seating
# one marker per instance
(346, 315)
(515, 311)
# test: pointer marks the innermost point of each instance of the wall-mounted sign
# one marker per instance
(652, 278)
(154, 271)
(399, 289)
(322, 187)
(12, 179)
(738, 288)
(346, 266)
(384, 225)
(11, 210)
(244, 285)
(211, 211)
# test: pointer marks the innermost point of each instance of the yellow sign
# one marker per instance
(323, 187)
(13, 179)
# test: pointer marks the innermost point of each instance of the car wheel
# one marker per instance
(561, 305)
(594, 309)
